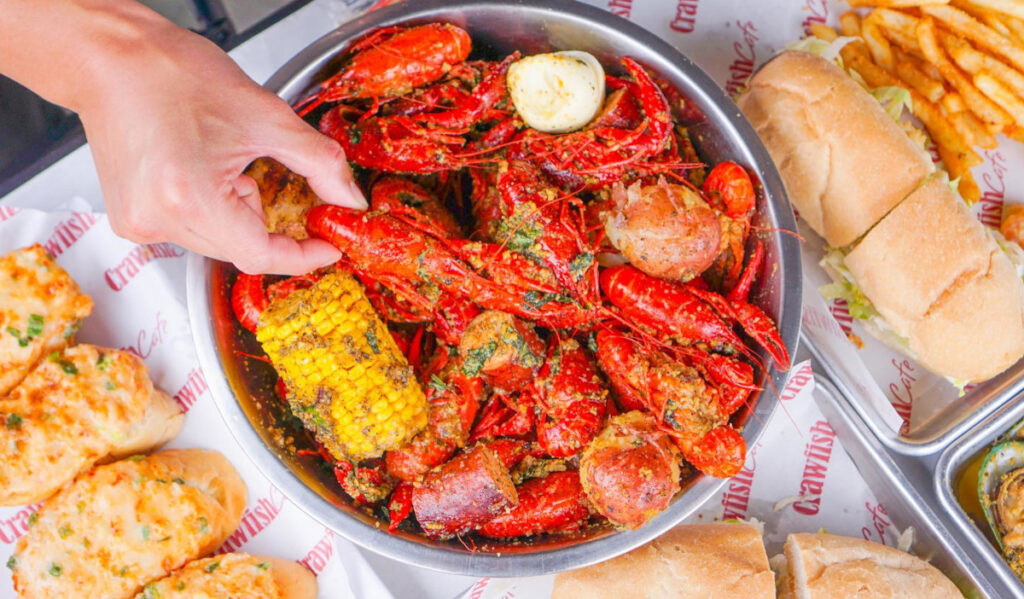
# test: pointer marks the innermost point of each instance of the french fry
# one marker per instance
(998, 93)
(1015, 133)
(942, 131)
(952, 103)
(962, 23)
(979, 104)
(824, 32)
(855, 55)
(987, 16)
(898, 28)
(1011, 7)
(894, 3)
(973, 132)
(849, 24)
(925, 85)
(974, 62)
(877, 44)
(1016, 27)
(958, 169)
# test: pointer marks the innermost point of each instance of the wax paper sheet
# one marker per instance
(139, 296)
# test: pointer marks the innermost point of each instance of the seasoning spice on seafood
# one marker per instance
(574, 308)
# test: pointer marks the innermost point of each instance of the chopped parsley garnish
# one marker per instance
(579, 265)
(35, 325)
(64, 531)
(13, 421)
(476, 357)
(55, 570)
(102, 362)
(145, 533)
(151, 592)
(12, 562)
(180, 586)
(204, 524)
(437, 384)
(371, 338)
(33, 519)
(137, 457)
(66, 365)
(210, 567)
(178, 479)
(110, 386)
(263, 565)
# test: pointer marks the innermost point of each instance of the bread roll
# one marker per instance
(128, 523)
(942, 283)
(695, 561)
(235, 576)
(40, 309)
(823, 566)
(74, 409)
(844, 162)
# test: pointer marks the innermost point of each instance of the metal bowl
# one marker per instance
(242, 387)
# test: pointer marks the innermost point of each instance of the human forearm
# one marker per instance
(62, 49)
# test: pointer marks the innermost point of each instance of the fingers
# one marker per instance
(319, 159)
(234, 231)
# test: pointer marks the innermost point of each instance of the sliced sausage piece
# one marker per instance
(461, 495)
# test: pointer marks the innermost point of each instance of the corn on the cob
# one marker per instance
(347, 380)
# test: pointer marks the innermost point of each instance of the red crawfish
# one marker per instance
(682, 402)
(570, 399)
(396, 253)
(554, 503)
(594, 158)
(249, 298)
(689, 313)
(420, 143)
(392, 62)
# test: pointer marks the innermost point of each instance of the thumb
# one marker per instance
(320, 160)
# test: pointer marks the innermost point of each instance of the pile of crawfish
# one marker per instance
(572, 303)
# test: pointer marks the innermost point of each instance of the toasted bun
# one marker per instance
(161, 423)
(845, 163)
(77, 408)
(696, 561)
(942, 282)
(236, 576)
(823, 566)
(293, 580)
(142, 519)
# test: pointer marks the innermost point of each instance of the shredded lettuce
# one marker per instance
(844, 287)
(1013, 251)
(893, 99)
(826, 50)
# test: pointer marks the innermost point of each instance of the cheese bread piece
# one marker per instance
(238, 576)
(40, 308)
(129, 523)
(77, 407)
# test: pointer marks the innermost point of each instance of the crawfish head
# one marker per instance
(393, 62)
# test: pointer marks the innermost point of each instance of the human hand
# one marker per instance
(173, 124)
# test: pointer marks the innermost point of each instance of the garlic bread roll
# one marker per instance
(238, 576)
(74, 409)
(40, 308)
(128, 523)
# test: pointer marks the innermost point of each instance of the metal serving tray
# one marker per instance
(944, 427)
(948, 472)
(903, 503)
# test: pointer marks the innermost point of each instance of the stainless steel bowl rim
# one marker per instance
(718, 109)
